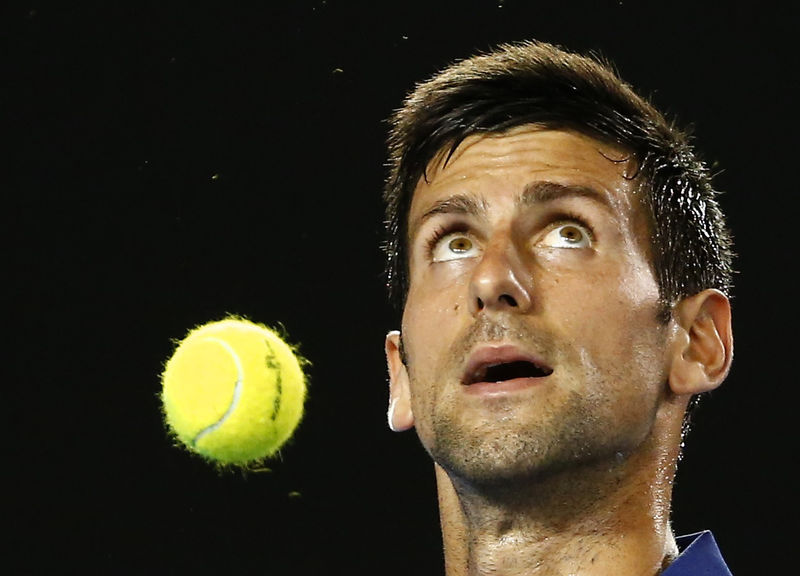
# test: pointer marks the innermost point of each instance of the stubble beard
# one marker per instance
(569, 430)
(511, 453)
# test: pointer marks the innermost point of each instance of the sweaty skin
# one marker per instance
(532, 246)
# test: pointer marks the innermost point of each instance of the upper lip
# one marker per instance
(484, 358)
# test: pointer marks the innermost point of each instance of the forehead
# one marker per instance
(498, 167)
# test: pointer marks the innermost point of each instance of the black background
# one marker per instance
(175, 162)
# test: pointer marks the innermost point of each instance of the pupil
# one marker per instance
(460, 245)
(570, 233)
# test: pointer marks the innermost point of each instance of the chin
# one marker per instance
(503, 461)
(514, 460)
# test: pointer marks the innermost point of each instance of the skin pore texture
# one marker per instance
(531, 247)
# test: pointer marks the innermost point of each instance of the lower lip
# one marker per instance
(504, 387)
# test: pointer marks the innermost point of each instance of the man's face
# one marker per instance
(531, 325)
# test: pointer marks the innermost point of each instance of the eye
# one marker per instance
(453, 246)
(568, 235)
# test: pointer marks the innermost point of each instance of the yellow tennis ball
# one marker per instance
(233, 391)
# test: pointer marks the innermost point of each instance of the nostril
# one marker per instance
(508, 299)
(503, 300)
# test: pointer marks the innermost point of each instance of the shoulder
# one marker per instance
(699, 556)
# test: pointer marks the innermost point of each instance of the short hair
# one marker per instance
(535, 83)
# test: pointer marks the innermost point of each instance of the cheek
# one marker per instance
(430, 322)
(436, 313)
(436, 296)
(610, 310)
(628, 342)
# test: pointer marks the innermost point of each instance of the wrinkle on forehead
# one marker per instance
(564, 157)
(503, 142)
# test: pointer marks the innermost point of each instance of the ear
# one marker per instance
(400, 416)
(702, 348)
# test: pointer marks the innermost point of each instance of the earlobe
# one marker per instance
(702, 347)
(400, 416)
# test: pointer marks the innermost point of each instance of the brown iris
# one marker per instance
(571, 234)
(460, 244)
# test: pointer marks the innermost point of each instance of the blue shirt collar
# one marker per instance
(699, 556)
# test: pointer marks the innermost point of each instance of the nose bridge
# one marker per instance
(500, 280)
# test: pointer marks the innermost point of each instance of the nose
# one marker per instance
(500, 282)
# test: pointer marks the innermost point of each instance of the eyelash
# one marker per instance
(440, 232)
(564, 217)
(561, 217)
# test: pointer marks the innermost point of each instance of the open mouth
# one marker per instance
(507, 371)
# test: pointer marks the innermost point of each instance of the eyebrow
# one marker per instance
(545, 191)
(540, 192)
(456, 204)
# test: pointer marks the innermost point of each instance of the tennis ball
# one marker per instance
(233, 391)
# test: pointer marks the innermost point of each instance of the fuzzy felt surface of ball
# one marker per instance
(233, 391)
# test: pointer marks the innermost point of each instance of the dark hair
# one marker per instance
(541, 84)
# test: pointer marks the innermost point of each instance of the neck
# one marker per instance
(600, 519)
